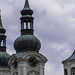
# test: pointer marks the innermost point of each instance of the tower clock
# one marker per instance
(32, 61)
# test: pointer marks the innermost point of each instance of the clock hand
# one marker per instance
(33, 61)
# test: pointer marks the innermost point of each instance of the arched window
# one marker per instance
(15, 73)
(73, 71)
(33, 73)
(65, 72)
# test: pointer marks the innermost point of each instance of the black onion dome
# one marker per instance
(4, 58)
(27, 43)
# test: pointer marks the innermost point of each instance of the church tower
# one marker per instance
(69, 65)
(4, 56)
(27, 60)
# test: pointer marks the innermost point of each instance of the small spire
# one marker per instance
(26, 6)
(0, 20)
(0, 13)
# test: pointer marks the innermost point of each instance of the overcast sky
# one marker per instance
(54, 25)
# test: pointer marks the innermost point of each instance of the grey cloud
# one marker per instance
(53, 24)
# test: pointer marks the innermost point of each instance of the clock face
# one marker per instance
(33, 62)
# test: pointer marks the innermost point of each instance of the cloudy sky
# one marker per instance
(54, 25)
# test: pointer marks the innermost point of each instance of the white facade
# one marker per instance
(23, 68)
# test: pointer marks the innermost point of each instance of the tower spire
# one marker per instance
(2, 36)
(0, 21)
(27, 41)
(4, 56)
(26, 6)
(0, 12)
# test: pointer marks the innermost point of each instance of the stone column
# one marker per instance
(22, 25)
(4, 42)
(41, 68)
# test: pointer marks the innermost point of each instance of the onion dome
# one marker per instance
(4, 56)
(27, 41)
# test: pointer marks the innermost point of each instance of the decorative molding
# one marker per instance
(15, 73)
(12, 58)
(42, 58)
(5, 69)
